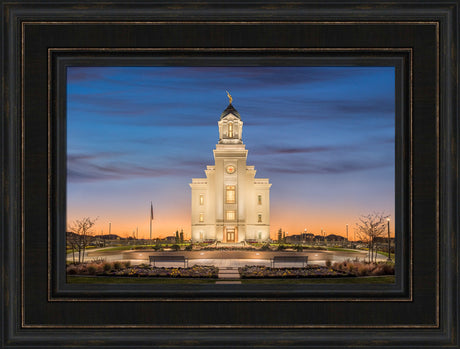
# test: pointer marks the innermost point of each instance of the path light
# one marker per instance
(257, 254)
(201, 253)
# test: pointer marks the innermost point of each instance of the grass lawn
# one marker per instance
(146, 280)
(125, 248)
(117, 248)
(386, 255)
(76, 251)
(340, 249)
(137, 247)
(382, 253)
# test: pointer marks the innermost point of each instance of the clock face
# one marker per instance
(230, 169)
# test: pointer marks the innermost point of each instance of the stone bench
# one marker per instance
(180, 259)
(289, 259)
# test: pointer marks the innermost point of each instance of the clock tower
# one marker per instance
(230, 204)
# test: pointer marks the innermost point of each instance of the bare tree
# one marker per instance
(369, 227)
(82, 228)
(72, 243)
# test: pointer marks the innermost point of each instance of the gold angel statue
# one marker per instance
(230, 99)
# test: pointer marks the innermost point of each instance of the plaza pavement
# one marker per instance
(226, 259)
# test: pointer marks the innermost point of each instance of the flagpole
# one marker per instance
(151, 219)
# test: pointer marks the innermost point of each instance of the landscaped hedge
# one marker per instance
(144, 270)
(365, 269)
(311, 271)
(343, 269)
(224, 248)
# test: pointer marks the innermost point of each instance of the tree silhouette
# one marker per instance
(82, 236)
(369, 227)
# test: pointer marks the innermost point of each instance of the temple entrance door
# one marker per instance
(230, 234)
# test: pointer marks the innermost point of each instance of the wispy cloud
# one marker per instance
(113, 166)
(335, 167)
(93, 167)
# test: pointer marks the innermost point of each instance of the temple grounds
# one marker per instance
(150, 265)
(224, 259)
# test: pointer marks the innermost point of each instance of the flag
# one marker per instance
(151, 211)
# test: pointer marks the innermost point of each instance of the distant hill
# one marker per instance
(109, 237)
(334, 237)
(71, 234)
(105, 236)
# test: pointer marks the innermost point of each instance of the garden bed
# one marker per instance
(311, 271)
(365, 269)
(143, 270)
(343, 269)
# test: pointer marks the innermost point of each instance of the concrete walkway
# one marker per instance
(225, 259)
(229, 273)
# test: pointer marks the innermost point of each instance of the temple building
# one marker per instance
(230, 204)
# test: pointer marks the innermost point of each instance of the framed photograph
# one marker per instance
(220, 175)
(231, 225)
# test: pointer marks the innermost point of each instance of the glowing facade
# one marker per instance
(230, 204)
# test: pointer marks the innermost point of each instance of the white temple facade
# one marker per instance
(230, 204)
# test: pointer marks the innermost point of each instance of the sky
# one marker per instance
(324, 136)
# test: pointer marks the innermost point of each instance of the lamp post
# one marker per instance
(110, 231)
(347, 234)
(304, 234)
(389, 251)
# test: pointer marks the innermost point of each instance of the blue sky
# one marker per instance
(324, 136)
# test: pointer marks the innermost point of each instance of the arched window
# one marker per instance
(230, 130)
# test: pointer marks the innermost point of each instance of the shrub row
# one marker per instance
(365, 269)
(346, 268)
(223, 248)
(143, 270)
(311, 271)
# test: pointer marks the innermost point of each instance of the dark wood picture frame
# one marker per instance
(41, 37)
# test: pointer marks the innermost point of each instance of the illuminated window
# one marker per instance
(230, 197)
(201, 199)
(230, 130)
(231, 215)
(259, 218)
(201, 217)
(259, 199)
